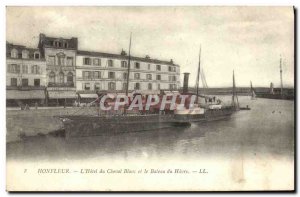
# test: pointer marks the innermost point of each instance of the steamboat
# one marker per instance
(124, 120)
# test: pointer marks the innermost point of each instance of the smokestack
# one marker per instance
(186, 83)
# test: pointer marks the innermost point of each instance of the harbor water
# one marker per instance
(266, 129)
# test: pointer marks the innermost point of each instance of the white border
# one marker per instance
(5, 3)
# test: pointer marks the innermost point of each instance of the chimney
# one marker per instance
(185, 83)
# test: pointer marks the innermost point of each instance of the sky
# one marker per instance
(248, 40)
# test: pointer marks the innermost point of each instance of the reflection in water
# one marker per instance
(268, 128)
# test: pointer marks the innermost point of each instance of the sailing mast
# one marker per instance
(128, 71)
(198, 76)
(234, 94)
(281, 85)
(252, 92)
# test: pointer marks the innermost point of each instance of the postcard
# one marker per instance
(150, 98)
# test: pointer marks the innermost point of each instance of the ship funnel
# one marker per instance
(186, 83)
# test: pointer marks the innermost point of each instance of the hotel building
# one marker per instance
(25, 76)
(57, 73)
(96, 71)
(60, 56)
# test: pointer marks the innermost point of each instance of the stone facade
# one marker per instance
(101, 71)
(64, 72)
(25, 74)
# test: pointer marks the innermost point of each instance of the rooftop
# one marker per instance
(57, 42)
(20, 48)
(125, 57)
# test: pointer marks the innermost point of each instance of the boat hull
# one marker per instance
(84, 126)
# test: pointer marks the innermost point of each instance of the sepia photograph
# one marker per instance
(150, 98)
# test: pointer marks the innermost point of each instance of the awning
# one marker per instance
(61, 94)
(29, 94)
(88, 96)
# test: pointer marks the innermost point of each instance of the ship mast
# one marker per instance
(128, 71)
(198, 76)
(281, 85)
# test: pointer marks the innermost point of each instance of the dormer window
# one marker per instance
(25, 54)
(36, 55)
(14, 53)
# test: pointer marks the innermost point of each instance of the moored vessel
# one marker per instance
(123, 120)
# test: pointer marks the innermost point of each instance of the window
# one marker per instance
(13, 82)
(61, 60)
(137, 65)
(51, 60)
(96, 74)
(124, 87)
(61, 77)
(24, 69)
(25, 54)
(52, 77)
(110, 63)
(97, 86)
(87, 86)
(66, 45)
(36, 55)
(24, 82)
(124, 64)
(149, 86)
(172, 69)
(36, 82)
(149, 76)
(158, 86)
(172, 78)
(35, 69)
(111, 75)
(69, 61)
(124, 75)
(56, 43)
(158, 77)
(59, 44)
(70, 78)
(136, 75)
(172, 86)
(87, 75)
(97, 62)
(149, 66)
(14, 53)
(158, 67)
(14, 68)
(87, 61)
(137, 86)
(111, 86)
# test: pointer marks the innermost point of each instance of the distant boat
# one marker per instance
(277, 95)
